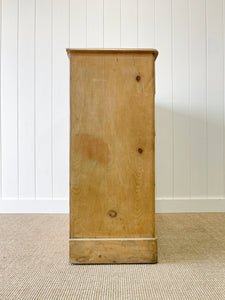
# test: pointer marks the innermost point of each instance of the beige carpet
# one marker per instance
(34, 261)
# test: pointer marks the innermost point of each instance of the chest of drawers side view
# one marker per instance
(112, 156)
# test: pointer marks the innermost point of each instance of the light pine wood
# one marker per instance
(112, 178)
(89, 251)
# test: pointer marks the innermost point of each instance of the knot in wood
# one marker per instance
(140, 150)
(112, 213)
(138, 78)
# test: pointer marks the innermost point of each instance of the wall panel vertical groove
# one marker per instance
(43, 100)
(0, 98)
(180, 99)
(52, 83)
(215, 99)
(9, 99)
(25, 94)
(60, 99)
(198, 95)
(224, 97)
(206, 105)
(172, 95)
(35, 129)
(17, 98)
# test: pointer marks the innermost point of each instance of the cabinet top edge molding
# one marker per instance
(114, 51)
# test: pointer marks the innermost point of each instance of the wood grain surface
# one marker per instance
(89, 251)
(112, 185)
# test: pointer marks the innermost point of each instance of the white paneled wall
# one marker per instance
(190, 102)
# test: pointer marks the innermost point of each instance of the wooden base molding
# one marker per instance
(113, 250)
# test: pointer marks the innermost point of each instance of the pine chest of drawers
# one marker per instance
(112, 138)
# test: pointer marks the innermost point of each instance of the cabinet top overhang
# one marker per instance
(112, 51)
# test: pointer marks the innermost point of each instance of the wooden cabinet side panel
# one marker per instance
(112, 191)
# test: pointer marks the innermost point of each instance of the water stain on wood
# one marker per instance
(92, 147)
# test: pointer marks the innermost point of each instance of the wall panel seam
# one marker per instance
(172, 95)
(206, 85)
(1, 97)
(154, 22)
(189, 99)
(223, 97)
(18, 150)
(120, 23)
(86, 8)
(137, 24)
(52, 167)
(103, 22)
(35, 156)
(69, 22)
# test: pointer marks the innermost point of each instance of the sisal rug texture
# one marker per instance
(34, 261)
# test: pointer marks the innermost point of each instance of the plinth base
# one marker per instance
(113, 250)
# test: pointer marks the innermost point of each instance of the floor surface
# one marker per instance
(34, 261)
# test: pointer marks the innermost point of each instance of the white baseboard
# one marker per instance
(61, 205)
(188, 205)
(41, 205)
